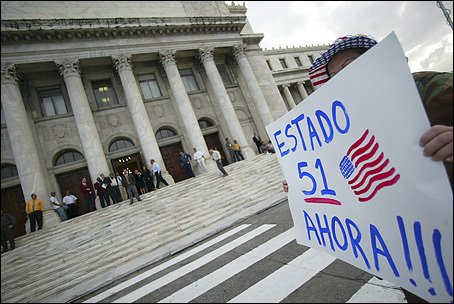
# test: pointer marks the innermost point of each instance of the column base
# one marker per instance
(248, 152)
(50, 220)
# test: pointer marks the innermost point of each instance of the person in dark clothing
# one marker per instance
(108, 189)
(8, 222)
(186, 164)
(258, 142)
(148, 178)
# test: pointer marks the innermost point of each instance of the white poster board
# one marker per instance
(360, 188)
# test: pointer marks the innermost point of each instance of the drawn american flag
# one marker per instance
(366, 169)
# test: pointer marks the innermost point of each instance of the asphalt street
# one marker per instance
(256, 260)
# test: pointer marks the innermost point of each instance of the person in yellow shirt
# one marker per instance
(237, 149)
(34, 208)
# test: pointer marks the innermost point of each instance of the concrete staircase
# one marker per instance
(83, 254)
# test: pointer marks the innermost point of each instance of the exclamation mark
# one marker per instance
(422, 254)
(436, 237)
(403, 235)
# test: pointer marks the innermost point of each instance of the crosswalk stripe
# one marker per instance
(277, 286)
(204, 284)
(166, 279)
(163, 266)
(375, 289)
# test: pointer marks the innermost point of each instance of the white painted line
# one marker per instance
(164, 280)
(278, 285)
(204, 284)
(163, 266)
(378, 291)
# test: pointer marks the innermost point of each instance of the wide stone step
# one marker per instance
(121, 238)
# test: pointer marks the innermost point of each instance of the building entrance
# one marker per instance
(71, 181)
(14, 204)
(129, 162)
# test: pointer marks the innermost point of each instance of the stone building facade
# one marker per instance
(96, 87)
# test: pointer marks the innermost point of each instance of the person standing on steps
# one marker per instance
(34, 208)
(198, 156)
(8, 222)
(129, 182)
(158, 174)
(58, 207)
(185, 161)
(216, 156)
(231, 150)
(258, 142)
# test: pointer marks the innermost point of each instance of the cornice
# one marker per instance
(15, 31)
(286, 50)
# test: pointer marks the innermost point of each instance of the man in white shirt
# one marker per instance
(57, 206)
(157, 173)
(123, 193)
(116, 187)
(216, 156)
(70, 201)
(198, 156)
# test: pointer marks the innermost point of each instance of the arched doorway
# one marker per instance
(71, 181)
(13, 203)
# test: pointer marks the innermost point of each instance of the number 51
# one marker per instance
(303, 173)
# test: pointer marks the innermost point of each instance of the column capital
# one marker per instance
(9, 73)
(68, 67)
(122, 62)
(285, 85)
(239, 51)
(167, 57)
(302, 82)
(206, 54)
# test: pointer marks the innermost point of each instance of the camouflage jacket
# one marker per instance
(436, 91)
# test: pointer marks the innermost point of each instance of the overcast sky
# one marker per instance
(421, 27)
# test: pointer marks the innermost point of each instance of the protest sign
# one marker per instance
(360, 188)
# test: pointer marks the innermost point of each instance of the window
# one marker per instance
(205, 124)
(104, 93)
(149, 86)
(224, 75)
(68, 157)
(189, 80)
(164, 133)
(311, 58)
(9, 171)
(52, 102)
(269, 65)
(282, 61)
(120, 144)
(298, 62)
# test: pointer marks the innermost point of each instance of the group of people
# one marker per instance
(234, 150)
(185, 162)
(263, 147)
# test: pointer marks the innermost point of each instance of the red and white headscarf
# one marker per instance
(318, 74)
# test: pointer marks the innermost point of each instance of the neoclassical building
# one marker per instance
(91, 87)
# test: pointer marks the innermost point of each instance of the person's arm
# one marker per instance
(40, 205)
(12, 221)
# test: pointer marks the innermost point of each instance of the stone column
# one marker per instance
(142, 124)
(185, 109)
(302, 89)
(24, 147)
(288, 95)
(228, 112)
(94, 154)
(253, 85)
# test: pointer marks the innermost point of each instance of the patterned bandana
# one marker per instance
(317, 72)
